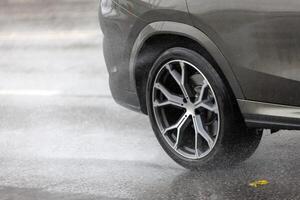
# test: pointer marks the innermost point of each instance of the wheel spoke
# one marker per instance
(178, 124)
(182, 66)
(199, 129)
(166, 103)
(171, 98)
(201, 95)
(179, 79)
(178, 137)
(208, 106)
(196, 143)
(156, 103)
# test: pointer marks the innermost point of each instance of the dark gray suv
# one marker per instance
(211, 74)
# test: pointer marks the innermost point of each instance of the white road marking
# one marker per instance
(52, 93)
(30, 92)
(49, 35)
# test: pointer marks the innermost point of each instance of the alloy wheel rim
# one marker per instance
(186, 109)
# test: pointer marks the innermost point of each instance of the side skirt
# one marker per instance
(270, 116)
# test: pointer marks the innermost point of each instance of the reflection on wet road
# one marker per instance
(90, 148)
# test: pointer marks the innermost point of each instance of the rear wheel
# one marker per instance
(192, 113)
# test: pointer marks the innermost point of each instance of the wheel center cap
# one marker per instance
(190, 108)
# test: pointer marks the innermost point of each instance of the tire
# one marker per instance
(221, 137)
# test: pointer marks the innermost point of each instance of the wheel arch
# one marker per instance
(148, 46)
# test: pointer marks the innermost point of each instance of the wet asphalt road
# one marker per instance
(63, 137)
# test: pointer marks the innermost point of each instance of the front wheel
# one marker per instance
(192, 114)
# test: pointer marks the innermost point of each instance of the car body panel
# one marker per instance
(157, 10)
(255, 44)
(261, 41)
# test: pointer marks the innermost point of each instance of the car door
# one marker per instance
(261, 41)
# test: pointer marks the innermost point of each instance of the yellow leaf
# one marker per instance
(259, 183)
